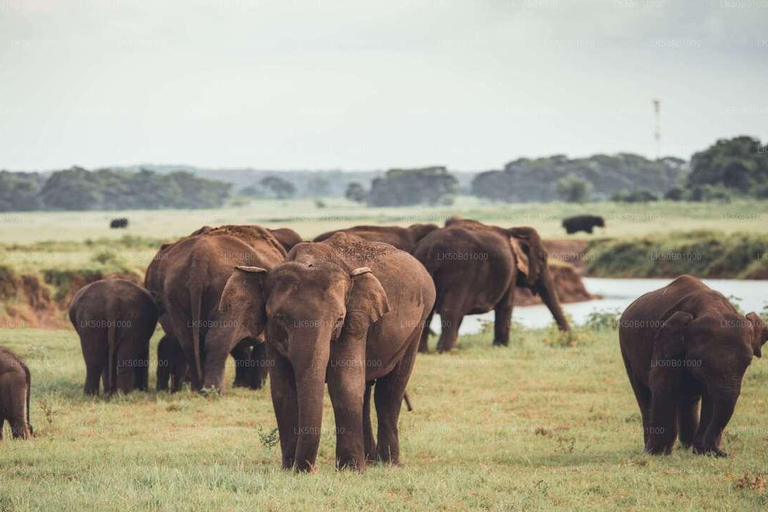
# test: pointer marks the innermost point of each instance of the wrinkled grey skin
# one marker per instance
(685, 345)
(15, 390)
(115, 319)
(347, 312)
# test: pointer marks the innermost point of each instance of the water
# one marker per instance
(618, 294)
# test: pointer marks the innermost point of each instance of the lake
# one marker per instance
(618, 294)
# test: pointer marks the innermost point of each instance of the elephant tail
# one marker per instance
(407, 402)
(196, 298)
(29, 392)
(111, 361)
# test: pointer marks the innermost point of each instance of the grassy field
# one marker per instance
(304, 216)
(541, 425)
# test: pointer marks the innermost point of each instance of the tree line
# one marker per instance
(736, 167)
(108, 189)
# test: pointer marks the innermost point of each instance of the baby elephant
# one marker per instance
(683, 345)
(15, 384)
(171, 365)
(115, 320)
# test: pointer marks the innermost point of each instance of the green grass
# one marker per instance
(548, 423)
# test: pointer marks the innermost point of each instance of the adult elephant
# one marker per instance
(191, 275)
(114, 319)
(404, 239)
(683, 345)
(477, 268)
(343, 311)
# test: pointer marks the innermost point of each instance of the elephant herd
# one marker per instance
(352, 308)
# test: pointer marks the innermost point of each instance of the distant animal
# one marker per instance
(15, 390)
(404, 239)
(120, 222)
(187, 278)
(346, 312)
(287, 237)
(683, 345)
(477, 268)
(584, 223)
(115, 319)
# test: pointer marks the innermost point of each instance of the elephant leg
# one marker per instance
(643, 397)
(388, 397)
(286, 404)
(368, 440)
(259, 363)
(705, 420)
(2, 424)
(450, 321)
(662, 431)
(141, 374)
(688, 419)
(107, 387)
(503, 318)
(424, 343)
(92, 377)
(179, 374)
(242, 356)
(346, 386)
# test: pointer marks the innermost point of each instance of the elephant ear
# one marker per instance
(530, 254)
(366, 303)
(244, 299)
(670, 338)
(760, 329)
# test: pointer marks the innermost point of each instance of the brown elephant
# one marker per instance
(477, 268)
(172, 365)
(343, 311)
(188, 278)
(15, 391)
(683, 345)
(115, 319)
(287, 237)
(404, 239)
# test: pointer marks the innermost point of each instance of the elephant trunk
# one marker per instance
(548, 292)
(310, 372)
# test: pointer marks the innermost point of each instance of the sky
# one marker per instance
(311, 84)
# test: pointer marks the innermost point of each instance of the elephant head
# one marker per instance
(304, 309)
(716, 349)
(531, 259)
(419, 231)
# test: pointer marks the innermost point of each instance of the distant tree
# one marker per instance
(638, 196)
(72, 189)
(282, 189)
(355, 192)
(573, 189)
(318, 186)
(739, 164)
(526, 179)
(251, 191)
(674, 194)
(404, 187)
(19, 191)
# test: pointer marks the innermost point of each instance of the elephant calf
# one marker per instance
(15, 386)
(171, 365)
(683, 345)
(115, 319)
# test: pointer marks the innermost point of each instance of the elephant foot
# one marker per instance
(500, 343)
(658, 450)
(711, 451)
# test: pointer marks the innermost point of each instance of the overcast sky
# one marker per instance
(470, 84)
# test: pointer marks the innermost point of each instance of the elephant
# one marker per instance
(346, 312)
(115, 319)
(171, 365)
(685, 345)
(287, 237)
(584, 223)
(15, 391)
(404, 239)
(188, 277)
(477, 268)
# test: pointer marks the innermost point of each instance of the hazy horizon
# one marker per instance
(350, 86)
